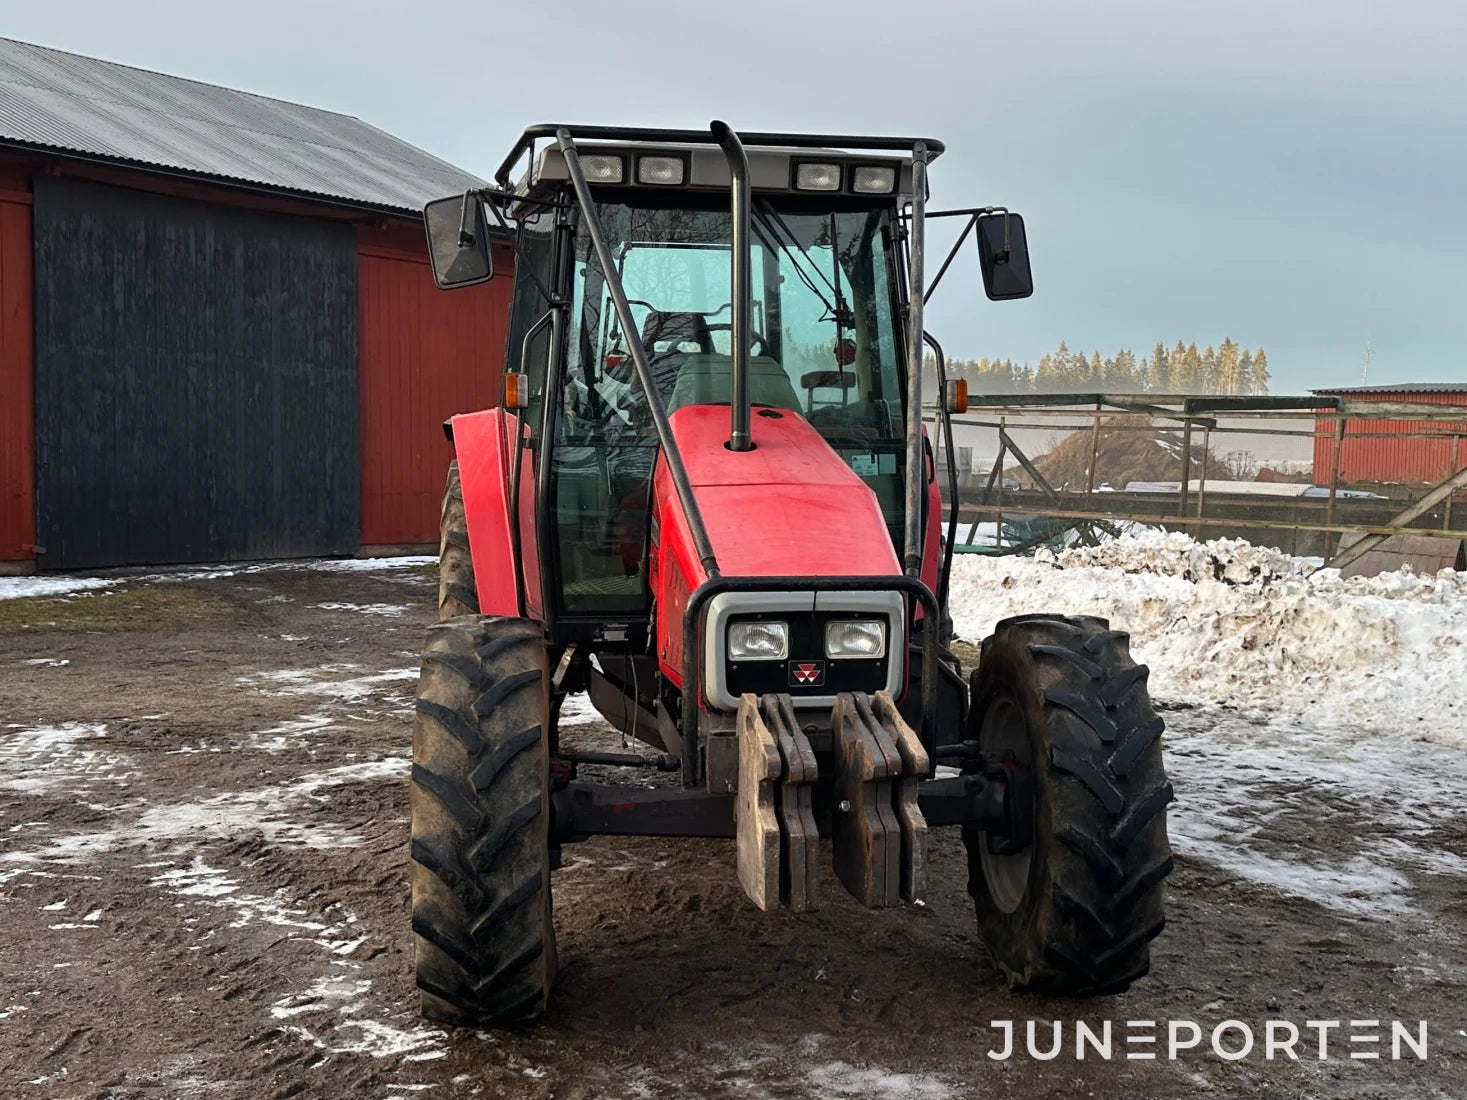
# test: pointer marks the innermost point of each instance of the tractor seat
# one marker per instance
(708, 380)
(662, 332)
(670, 338)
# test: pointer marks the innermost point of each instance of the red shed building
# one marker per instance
(1421, 452)
(219, 334)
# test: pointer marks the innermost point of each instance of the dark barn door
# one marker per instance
(196, 381)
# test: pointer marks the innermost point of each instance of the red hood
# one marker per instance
(789, 507)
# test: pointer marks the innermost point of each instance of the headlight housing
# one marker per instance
(758, 641)
(855, 638)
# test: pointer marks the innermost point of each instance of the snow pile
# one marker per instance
(1228, 623)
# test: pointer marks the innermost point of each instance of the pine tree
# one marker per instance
(1245, 372)
(1260, 372)
(1049, 375)
(1229, 379)
(1160, 371)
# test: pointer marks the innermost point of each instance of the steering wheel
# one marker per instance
(758, 339)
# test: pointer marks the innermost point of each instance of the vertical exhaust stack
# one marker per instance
(740, 262)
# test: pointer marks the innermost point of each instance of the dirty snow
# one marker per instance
(1226, 623)
(331, 680)
(269, 811)
(390, 610)
(13, 588)
(40, 758)
(19, 588)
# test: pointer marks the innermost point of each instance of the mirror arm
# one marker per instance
(952, 252)
(972, 215)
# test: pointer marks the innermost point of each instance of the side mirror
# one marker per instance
(458, 241)
(1003, 254)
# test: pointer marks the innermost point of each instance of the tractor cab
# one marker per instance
(708, 502)
(825, 338)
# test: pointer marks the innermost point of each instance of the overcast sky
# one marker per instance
(1290, 174)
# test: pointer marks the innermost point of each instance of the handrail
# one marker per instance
(670, 453)
(912, 513)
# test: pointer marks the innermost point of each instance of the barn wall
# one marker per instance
(425, 354)
(1402, 459)
(195, 374)
(17, 403)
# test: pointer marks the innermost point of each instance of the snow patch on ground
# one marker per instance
(1232, 624)
(265, 810)
(14, 588)
(330, 681)
(389, 610)
(23, 588)
(41, 758)
(1247, 794)
(576, 710)
(333, 1013)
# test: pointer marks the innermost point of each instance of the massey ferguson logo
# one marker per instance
(807, 673)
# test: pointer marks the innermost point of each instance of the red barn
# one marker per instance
(219, 334)
(1423, 451)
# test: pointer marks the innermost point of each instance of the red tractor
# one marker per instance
(708, 501)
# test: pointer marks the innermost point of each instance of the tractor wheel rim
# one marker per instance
(1005, 733)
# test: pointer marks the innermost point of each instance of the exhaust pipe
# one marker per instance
(740, 282)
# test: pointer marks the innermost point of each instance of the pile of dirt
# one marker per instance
(1130, 450)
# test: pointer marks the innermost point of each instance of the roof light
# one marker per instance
(817, 177)
(874, 179)
(664, 171)
(601, 168)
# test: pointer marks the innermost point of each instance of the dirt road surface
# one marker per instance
(204, 893)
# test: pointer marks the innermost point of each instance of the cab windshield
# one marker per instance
(824, 345)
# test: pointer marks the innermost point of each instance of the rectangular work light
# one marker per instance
(661, 171)
(874, 179)
(817, 177)
(603, 168)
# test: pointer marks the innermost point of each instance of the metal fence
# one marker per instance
(1046, 468)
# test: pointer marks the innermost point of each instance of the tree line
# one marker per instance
(1183, 368)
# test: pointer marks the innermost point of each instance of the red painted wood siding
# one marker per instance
(1401, 459)
(17, 403)
(426, 354)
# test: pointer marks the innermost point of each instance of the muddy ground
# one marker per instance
(204, 893)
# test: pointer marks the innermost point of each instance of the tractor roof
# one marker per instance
(688, 160)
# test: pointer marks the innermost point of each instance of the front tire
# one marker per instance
(485, 944)
(458, 594)
(1075, 912)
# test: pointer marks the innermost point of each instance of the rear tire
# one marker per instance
(485, 943)
(457, 592)
(1075, 913)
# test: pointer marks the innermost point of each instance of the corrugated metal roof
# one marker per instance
(64, 101)
(1403, 387)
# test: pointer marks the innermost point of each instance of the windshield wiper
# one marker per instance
(771, 222)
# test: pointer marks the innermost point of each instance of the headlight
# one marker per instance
(758, 641)
(855, 638)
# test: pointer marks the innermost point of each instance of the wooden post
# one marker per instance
(1186, 466)
(1334, 482)
(1094, 455)
(1202, 483)
(1003, 438)
(1447, 512)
